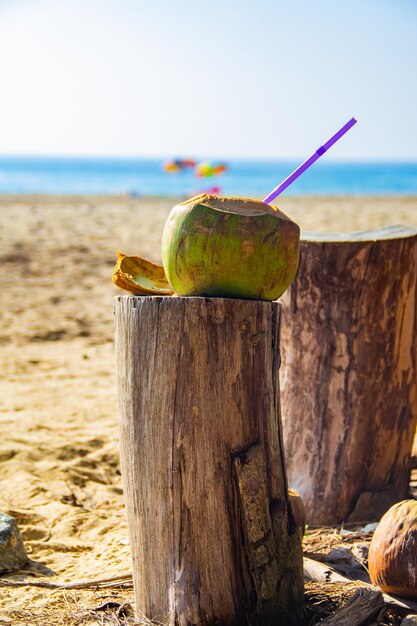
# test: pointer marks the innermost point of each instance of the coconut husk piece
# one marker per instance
(342, 604)
(321, 573)
(140, 277)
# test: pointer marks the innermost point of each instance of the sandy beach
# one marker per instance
(59, 455)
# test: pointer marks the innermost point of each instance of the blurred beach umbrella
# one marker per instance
(207, 169)
(178, 165)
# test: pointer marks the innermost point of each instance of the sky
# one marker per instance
(211, 78)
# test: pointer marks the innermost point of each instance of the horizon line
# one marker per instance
(283, 159)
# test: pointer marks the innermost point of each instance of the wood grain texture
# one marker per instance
(349, 373)
(361, 604)
(315, 571)
(212, 534)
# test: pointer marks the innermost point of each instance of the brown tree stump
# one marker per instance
(349, 373)
(212, 534)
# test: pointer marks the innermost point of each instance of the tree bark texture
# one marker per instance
(212, 534)
(349, 373)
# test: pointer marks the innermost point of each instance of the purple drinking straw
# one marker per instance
(304, 166)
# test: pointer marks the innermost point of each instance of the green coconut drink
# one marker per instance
(213, 246)
(229, 247)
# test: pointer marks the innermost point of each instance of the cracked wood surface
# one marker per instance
(212, 533)
(349, 373)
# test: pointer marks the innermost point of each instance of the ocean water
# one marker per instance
(256, 178)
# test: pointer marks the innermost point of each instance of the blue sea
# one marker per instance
(137, 177)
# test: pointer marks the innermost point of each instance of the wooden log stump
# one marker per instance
(349, 373)
(212, 534)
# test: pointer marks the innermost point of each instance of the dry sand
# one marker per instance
(59, 447)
